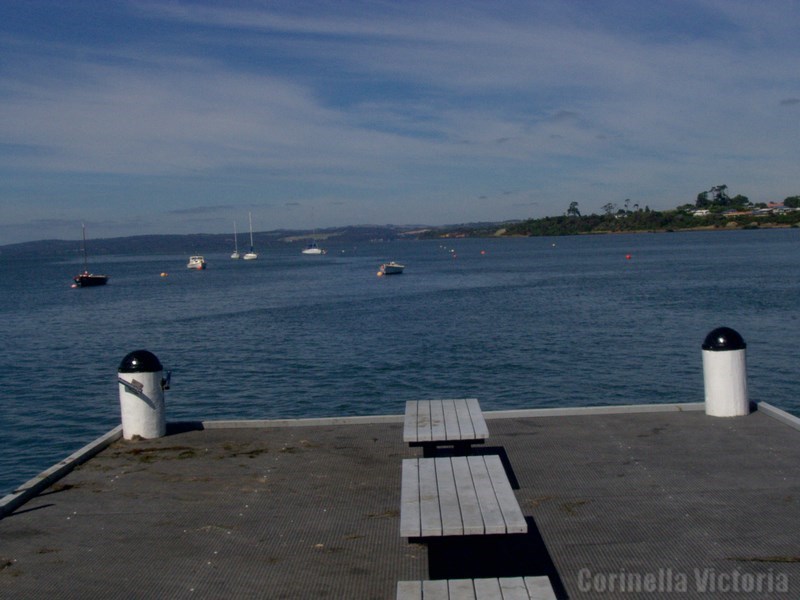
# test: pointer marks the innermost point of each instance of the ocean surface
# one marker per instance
(517, 323)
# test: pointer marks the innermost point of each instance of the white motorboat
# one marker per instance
(250, 255)
(312, 248)
(196, 262)
(391, 268)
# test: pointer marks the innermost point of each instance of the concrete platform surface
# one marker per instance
(635, 504)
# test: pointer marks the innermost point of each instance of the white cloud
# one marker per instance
(389, 107)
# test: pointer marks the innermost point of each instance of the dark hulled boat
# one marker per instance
(87, 279)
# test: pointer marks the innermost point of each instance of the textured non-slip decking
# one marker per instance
(313, 511)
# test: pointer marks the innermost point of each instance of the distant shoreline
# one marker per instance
(190, 244)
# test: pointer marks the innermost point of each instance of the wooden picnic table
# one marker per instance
(444, 421)
(501, 588)
(458, 495)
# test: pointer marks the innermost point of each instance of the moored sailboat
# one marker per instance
(250, 255)
(235, 255)
(87, 279)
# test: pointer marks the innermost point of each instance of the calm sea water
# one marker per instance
(535, 322)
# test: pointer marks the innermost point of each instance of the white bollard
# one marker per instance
(141, 396)
(725, 374)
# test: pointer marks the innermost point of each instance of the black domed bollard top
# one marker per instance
(723, 339)
(140, 361)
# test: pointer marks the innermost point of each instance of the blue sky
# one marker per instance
(181, 117)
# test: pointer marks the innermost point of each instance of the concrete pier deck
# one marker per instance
(637, 502)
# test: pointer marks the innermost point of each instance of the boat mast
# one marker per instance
(85, 261)
(250, 216)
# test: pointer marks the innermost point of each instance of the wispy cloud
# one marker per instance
(391, 111)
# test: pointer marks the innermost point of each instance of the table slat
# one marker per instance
(467, 498)
(435, 590)
(409, 499)
(488, 589)
(512, 515)
(410, 422)
(461, 589)
(430, 516)
(448, 498)
(452, 431)
(490, 509)
(539, 588)
(409, 590)
(464, 421)
(478, 422)
(423, 421)
(438, 431)
(513, 588)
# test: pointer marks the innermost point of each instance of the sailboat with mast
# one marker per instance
(235, 255)
(250, 255)
(87, 279)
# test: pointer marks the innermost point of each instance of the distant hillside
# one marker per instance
(200, 243)
(640, 220)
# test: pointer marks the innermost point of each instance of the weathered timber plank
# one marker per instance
(512, 514)
(490, 508)
(410, 422)
(409, 499)
(430, 515)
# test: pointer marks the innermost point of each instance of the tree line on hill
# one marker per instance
(713, 208)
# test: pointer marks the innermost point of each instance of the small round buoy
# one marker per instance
(74, 285)
(380, 273)
(628, 256)
(483, 252)
(163, 274)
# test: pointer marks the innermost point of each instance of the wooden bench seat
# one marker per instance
(444, 421)
(503, 588)
(459, 495)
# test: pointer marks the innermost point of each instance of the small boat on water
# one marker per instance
(235, 255)
(87, 279)
(196, 262)
(391, 268)
(312, 248)
(250, 255)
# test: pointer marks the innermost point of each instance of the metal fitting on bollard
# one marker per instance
(141, 395)
(725, 374)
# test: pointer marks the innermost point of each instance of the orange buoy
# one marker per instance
(380, 273)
